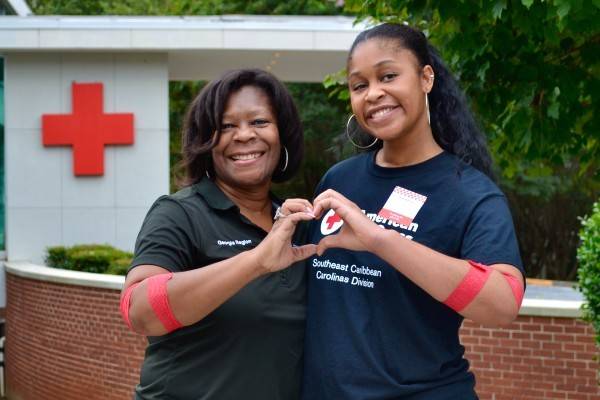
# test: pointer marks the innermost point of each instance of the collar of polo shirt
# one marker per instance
(214, 196)
(216, 199)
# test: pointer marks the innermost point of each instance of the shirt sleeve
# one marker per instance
(490, 234)
(164, 239)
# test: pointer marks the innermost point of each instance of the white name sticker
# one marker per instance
(402, 206)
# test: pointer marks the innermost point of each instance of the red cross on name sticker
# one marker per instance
(330, 223)
(402, 206)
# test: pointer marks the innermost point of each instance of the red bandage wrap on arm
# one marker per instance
(125, 300)
(516, 287)
(469, 287)
(159, 300)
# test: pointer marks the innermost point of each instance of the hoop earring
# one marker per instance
(352, 141)
(427, 108)
(285, 165)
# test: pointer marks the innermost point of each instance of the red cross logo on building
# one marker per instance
(88, 129)
(331, 222)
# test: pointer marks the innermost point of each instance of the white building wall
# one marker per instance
(46, 204)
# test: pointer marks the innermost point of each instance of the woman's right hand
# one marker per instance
(276, 251)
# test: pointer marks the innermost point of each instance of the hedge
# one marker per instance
(98, 258)
(588, 256)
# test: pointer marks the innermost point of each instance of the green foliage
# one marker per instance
(531, 69)
(336, 83)
(323, 122)
(182, 7)
(588, 255)
(181, 95)
(89, 258)
(119, 266)
(56, 257)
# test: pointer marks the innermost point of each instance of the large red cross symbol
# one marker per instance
(332, 220)
(88, 129)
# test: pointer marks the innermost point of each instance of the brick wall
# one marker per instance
(536, 358)
(68, 342)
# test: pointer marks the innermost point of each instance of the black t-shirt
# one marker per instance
(248, 348)
(372, 333)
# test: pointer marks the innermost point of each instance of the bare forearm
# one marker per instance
(439, 275)
(196, 293)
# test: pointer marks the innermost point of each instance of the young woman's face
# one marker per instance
(248, 150)
(387, 89)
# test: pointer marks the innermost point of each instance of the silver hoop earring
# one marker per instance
(285, 165)
(427, 107)
(207, 174)
(350, 138)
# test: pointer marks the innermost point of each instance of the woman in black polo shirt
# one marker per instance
(209, 283)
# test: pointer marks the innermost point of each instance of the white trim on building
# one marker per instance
(295, 48)
(20, 7)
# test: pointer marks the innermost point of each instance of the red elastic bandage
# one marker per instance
(159, 300)
(469, 287)
(516, 287)
(124, 305)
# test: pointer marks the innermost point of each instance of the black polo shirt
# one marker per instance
(248, 348)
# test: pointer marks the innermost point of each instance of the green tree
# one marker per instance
(531, 69)
(182, 7)
(588, 255)
(323, 123)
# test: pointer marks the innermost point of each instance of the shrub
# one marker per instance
(89, 258)
(57, 257)
(588, 255)
(119, 266)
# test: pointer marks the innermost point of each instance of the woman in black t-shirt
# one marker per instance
(385, 305)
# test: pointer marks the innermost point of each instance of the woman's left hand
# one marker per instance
(358, 232)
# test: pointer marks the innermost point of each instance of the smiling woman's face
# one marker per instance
(387, 89)
(248, 150)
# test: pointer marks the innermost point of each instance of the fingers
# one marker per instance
(288, 224)
(326, 243)
(291, 206)
(320, 203)
(302, 252)
(340, 207)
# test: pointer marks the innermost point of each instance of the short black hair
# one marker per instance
(202, 124)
